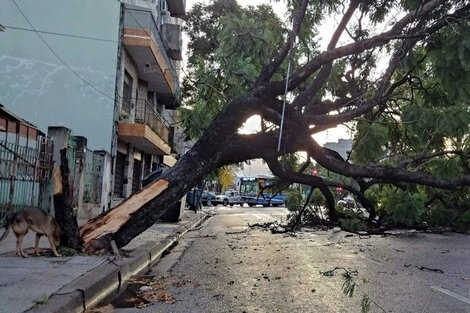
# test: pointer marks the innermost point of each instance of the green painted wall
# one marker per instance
(37, 86)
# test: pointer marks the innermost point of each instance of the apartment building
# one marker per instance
(148, 90)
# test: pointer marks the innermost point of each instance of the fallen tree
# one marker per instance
(327, 88)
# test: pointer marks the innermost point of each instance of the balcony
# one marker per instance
(144, 43)
(176, 7)
(173, 40)
(149, 131)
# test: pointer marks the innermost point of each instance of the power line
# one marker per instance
(58, 34)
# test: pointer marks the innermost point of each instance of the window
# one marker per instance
(127, 93)
(119, 174)
(136, 175)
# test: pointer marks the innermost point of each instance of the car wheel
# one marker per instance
(225, 202)
(209, 203)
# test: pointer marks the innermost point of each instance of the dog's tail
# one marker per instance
(9, 221)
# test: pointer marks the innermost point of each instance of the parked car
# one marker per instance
(347, 202)
(208, 198)
(230, 197)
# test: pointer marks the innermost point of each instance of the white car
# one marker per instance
(347, 202)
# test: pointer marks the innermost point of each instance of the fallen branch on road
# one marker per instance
(424, 268)
(275, 227)
(350, 285)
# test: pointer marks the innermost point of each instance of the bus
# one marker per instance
(250, 188)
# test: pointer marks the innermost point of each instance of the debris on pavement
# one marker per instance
(330, 273)
(424, 268)
(142, 291)
(275, 227)
(237, 231)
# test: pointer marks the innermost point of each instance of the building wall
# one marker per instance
(253, 168)
(36, 85)
(343, 147)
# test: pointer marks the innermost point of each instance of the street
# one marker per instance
(226, 267)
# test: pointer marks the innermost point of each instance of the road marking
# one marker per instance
(452, 294)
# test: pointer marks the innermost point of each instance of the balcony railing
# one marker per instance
(143, 19)
(147, 115)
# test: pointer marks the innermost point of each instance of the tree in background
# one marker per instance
(395, 71)
(225, 177)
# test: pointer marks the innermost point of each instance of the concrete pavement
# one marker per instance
(224, 267)
(53, 284)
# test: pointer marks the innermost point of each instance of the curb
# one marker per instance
(107, 280)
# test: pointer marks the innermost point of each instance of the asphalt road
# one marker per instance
(226, 267)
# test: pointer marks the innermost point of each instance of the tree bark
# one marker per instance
(64, 214)
(330, 203)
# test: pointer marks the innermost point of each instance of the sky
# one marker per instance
(252, 125)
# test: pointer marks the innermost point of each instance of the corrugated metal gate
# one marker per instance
(25, 174)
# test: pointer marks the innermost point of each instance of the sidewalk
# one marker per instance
(68, 284)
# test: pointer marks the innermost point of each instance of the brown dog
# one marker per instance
(36, 220)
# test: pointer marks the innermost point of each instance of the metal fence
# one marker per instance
(146, 114)
(25, 175)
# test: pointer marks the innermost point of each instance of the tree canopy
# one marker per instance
(413, 115)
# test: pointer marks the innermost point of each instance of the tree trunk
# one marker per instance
(145, 207)
(330, 203)
(64, 214)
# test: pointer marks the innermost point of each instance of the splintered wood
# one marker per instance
(113, 221)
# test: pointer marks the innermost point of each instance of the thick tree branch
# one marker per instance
(366, 106)
(320, 80)
(312, 66)
(424, 156)
(381, 172)
(313, 181)
(269, 69)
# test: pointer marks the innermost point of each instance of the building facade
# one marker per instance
(106, 70)
(148, 92)
(342, 146)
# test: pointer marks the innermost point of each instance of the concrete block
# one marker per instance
(103, 282)
(138, 264)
